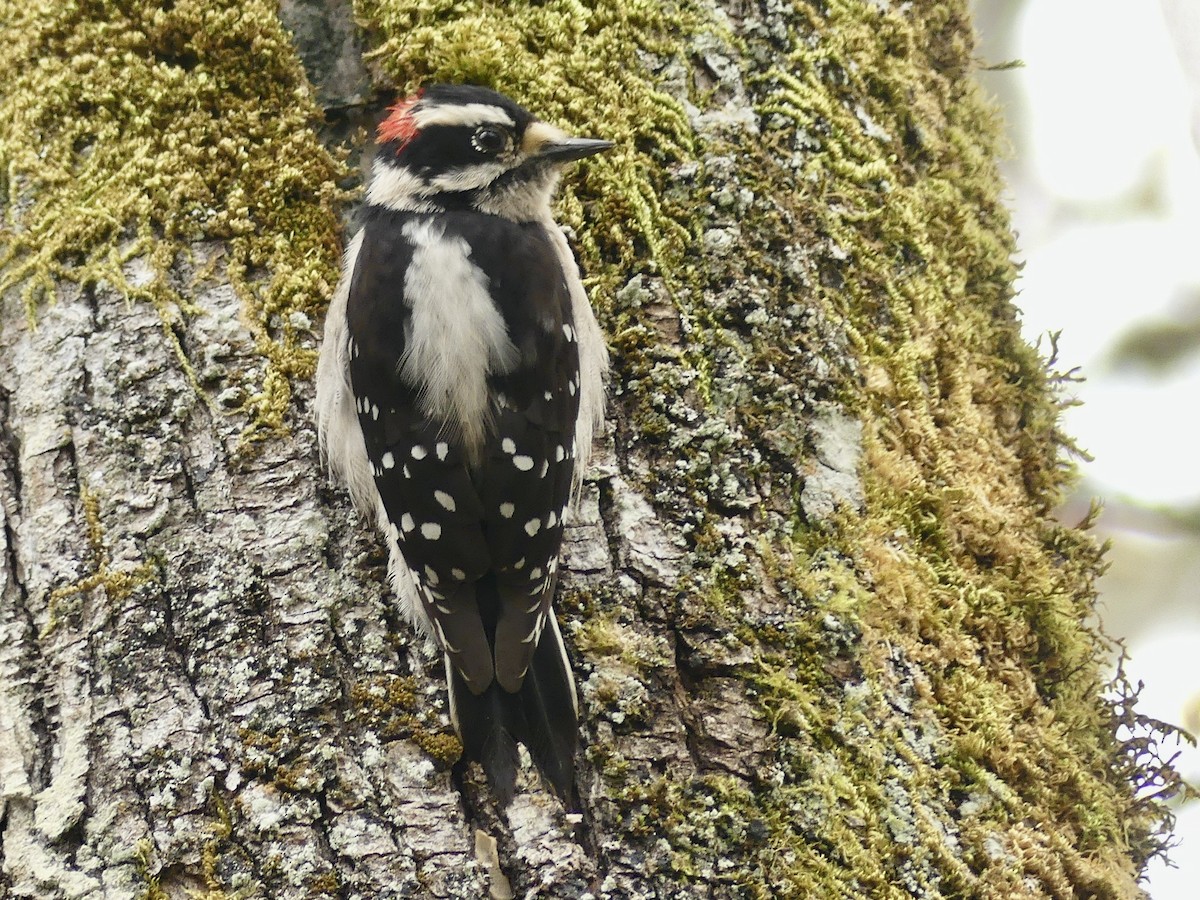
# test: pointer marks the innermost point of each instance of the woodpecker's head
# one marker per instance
(462, 146)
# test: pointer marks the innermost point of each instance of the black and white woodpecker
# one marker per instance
(460, 382)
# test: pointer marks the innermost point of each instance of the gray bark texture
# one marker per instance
(828, 638)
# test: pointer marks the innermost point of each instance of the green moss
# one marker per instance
(145, 870)
(390, 706)
(970, 575)
(925, 666)
(135, 130)
(220, 862)
(327, 884)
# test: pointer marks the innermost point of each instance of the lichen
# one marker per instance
(135, 130)
(391, 706)
(117, 583)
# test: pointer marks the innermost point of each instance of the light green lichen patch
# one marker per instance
(135, 129)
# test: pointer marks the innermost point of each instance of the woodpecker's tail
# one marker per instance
(542, 715)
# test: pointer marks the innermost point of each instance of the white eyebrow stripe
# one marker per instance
(465, 114)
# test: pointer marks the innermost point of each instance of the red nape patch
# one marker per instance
(399, 125)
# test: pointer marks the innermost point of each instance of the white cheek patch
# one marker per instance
(525, 200)
(468, 179)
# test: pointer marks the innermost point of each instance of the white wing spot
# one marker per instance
(549, 396)
(431, 531)
(508, 446)
(568, 332)
(507, 510)
(559, 453)
(551, 520)
(374, 411)
(545, 468)
(407, 474)
(444, 610)
(419, 452)
(407, 523)
(535, 574)
(446, 501)
(388, 460)
(519, 564)
(571, 387)
(442, 449)
(458, 575)
(533, 526)
(430, 575)
(524, 463)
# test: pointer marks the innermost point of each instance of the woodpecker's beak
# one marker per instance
(567, 149)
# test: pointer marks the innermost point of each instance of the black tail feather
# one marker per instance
(541, 716)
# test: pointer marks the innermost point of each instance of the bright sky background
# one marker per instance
(1106, 195)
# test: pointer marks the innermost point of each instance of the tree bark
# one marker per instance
(829, 639)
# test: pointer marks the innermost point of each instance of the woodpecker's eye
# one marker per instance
(488, 139)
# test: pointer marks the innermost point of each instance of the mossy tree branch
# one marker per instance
(830, 640)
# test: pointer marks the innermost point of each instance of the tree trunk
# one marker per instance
(829, 639)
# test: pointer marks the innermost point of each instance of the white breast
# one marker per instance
(458, 335)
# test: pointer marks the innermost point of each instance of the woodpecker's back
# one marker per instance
(459, 385)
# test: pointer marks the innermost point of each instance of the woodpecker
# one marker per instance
(459, 384)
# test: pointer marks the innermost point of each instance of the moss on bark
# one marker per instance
(805, 271)
(851, 249)
(135, 129)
